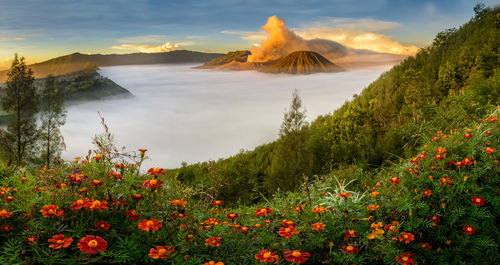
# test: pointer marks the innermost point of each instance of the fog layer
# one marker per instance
(184, 114)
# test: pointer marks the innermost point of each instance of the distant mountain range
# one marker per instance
(77, 62)
(298, 62)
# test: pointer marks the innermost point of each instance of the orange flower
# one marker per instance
(152, 183)
(137, 197)
(213, 241)
(180, 202)
(151, 224)
(51, 210)
(489, 150)
(373, 207)
(232, 216)
(101, 225)
(405, 259)
(79, 204)
(92, 244)
(213, 263)
(31, 239)
(263, 211)
(374, 194)
(97, 205)
(350, 249)
(132, 215)
(426, 193)
(345, 195)
(96, 183)
(297, 256)
(267, 256)
(376, 225)
(351, 233)
(6, 228)
(440, 150)
(155, 171)
(469, 230)
(59, 241)
(318, 209)
(288, 232)
(406, 237)
(217, 203)
(9, 198)
(395, 180)
(318, 226)
(4, 214)
(161, 252)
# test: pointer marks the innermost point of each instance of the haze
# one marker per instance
(184, 114)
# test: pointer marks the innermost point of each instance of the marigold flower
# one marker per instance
(447, 181)
(5, 214)
(51, 210)
(6, 228)
(373, 207)
(288, 223)
(59, 241)
(96, 183)
(376, 225)
(155, 171)
(406, 237)
(489, 150)
(267, 256)
(374, 194)
(9, 198)
(435, 218)
(263, 211)
(152, 183)
(31, 239)
(318, 226)
(405, 259)
(318, 209)
(350, 249)
(288, 232)
(425, 246)
(232, 216)
(151, 224)
(180, 202)
(217, 203)
(426, 193)
(395, 180)
(213, 241)
(161, 252)
(351, 233)
(101, 225)
(467, 136)
(345, 195)
(476, 201)
(97, 205)
(137, 197)
(440, 150)
(213, 263)
(92, 244)
(132, 215)
(97, 157)
(297, 256)
(79, 204)
(469, 230)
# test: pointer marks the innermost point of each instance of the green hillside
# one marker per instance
(448, 84)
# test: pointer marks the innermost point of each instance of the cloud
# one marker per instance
(360, 34)
(13, 38)
(165, 47)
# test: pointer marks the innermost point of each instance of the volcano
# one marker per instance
(302, 62)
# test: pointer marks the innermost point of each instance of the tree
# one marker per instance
(290, 158)
(53, 116)
(20, 100)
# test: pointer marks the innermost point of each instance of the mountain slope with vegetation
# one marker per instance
(302, 62)
(452, 82)
(239, 56)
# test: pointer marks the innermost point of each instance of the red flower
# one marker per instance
(151, 224)
(467, 136)
(318, 226)
(406, 237)
(395, 180)
(79, 204)
(351, 233)
(489, 150)
(31, 239)
(426, 193)
(267, 256)
(161, 252)
(97, 205)
(5, 214)
(217, 203)
(263, 211)
(132, 215)
(288, 232)
(213, 241)
(59, 241)
(152, 183)
(478, 201)
(137, 197)
(51, 210)
(92, 244)
(405, 259)
(180, 202)
(156, 171)
(232, 216)
(350, 249)
(447, 181)
(425, 246)
(101, 225)
(6, 228)
(469, 230)
(96, 183)
(297, 256)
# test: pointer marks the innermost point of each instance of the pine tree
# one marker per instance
(20, 100)
(53, 116)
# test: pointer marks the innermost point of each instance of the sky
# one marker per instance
(40, 30)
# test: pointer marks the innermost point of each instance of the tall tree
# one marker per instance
(20, 100)
(53, 116)
(290, 158)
